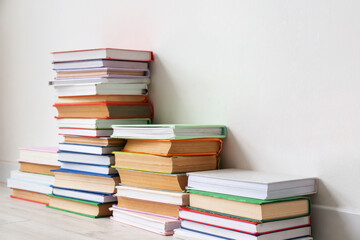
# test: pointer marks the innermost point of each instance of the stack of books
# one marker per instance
(34, 179)
(96, 88)
(249, 205)
(153, 167)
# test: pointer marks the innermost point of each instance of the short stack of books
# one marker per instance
(153, 167)
(34, 179)
(96, 88)
(249, 205)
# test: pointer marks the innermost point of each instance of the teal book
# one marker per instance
(251, 209)
(169, 131)
(80, 207)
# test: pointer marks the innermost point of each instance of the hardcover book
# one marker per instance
(169, 131)
(96, 63)
(253, 184)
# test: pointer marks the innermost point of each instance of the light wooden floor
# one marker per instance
(26, 220)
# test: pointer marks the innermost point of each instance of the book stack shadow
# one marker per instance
(33, 181)
(96, 88)
(153, 166)
(249, 205)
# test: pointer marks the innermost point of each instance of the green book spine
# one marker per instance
(86, 215)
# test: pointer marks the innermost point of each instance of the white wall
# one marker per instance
(282, 75)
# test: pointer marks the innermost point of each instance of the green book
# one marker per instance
(256, 210)
(169, 131)
(80, 207)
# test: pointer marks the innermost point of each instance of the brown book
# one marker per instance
(155, 163)
(37, 168)
(95, 141)
(172, 182)
(105, 110)
(30, 196)
(149, 206)
(174, 147)
(254, 209)
(102, 99)
(86, 182)
(91, 209)
(98, 72)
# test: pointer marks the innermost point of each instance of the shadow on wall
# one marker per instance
(233, 155)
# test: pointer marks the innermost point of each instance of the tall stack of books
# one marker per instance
(249, 205)
(34, 179)
(96, 88)
(153, 167)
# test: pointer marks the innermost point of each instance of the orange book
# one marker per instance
(37, 168)
(210, 146)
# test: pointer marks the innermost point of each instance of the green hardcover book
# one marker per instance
(251, 209)
(169, 131)
(81, 207)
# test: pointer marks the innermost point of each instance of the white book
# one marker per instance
(85, 132)
(241, 225)
(154, 195)
(92, 149)
(169, 131)
(150, 222)
(94, 123)
(33, 177)
(185, 234)
(230, 234)
(39, 155)
(100, 169)
(87, 158)
(84, 195)
(96, 63)
(252, 184)
(102, 53)
(91, 80)
(29, 186)
(100, 89)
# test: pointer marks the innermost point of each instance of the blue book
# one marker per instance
(84, 195)
(87, 158)
(92, 168)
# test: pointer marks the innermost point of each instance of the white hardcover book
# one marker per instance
(87, 158)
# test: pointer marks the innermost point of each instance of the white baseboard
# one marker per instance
(334, 224)
(5, 168)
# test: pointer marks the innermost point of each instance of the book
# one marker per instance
(103, 53)
(241, 225)
(96, 63)
(102, 99)
(150, 222)
(37, 168)
(105, 110)
(92, 149)
(155, 195)
(230, 234)
(172, 182)
(102, 183)
(100, 169)
(163, 164)
(158, 208)
(81, 207)
(211, 146)
(30, 196)
(94, 123)
(98, 141)
(86, 158)
(91, 80)
(40, 155)
(30, 181)
(85, 195)
(169, 131)
(253, 184)
(102, 72)
(100, 89)
(252, 209)
(85, 132)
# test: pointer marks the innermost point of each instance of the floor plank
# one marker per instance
(27, 220)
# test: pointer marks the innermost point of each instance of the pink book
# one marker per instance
(39, 155)
(150, 222)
